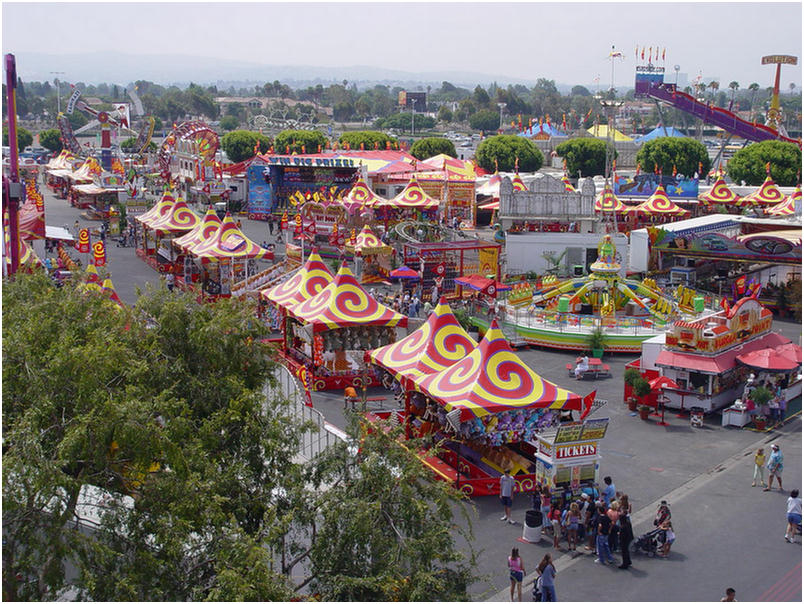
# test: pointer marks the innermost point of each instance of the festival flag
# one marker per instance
(287, 149)
(271, 150)
(353, 238)
(99, 253)
(655, 168)
(674, 171)
(700, 168)
(643, 53)
(613, 165)
(283, 223)
(297, 230)
(333, 236)
(376, 145)
(513, 124)
(767, 168)
(309, 228)
(650, 53)
(639, 166)
(335, 146)
(388, 145)
(256, 147)
(520, 121)
(304, 150)
(636, 52)
(547, 120)
(347, 146)
(516, 164)
(564, 121)
(496, 167)
(82, 245)
(663, 51)
(319, 148)
(362, 146)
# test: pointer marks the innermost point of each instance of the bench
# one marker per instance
(594, 371)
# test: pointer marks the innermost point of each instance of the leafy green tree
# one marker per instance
(293, 140)
(77, 119)
(229, 122)
(370, 139)
(24, 138)
(401, 121)
(685, 154)
(158, 125)
(120, 399)
(505, 149)
(129, 144)
(385, 529)
(445, 114)
(580, 91)
(239, 144)
(50, 139)
(433, 145)
(748, 164)
(584, 155)
(481, 97)
(485, 119)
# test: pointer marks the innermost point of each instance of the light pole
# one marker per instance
(676, 67)
(501, 106)
(412, 116)
(58, 89)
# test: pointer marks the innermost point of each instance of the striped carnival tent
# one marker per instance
(607, 201)
(178, 219)
(202, 231)
(767, 194)
(411, 197)
(437, 344)
(160, 209)
(491, 187)
(305, 283)
(567, 184)
(361, 196)
(788, 206)
(492, 379)
(344, 303)
(659, 204)
(229, 243)
(518, 184)
(719, 193)
(367, 244)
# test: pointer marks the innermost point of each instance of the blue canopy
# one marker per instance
(658, 132)
(550, 130)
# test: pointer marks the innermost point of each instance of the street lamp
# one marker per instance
(58, 89)
(676, 67)
(501, 106)
(412, 114)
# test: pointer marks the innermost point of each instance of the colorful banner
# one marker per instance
(488, 259)
(779, 248)
(260, 193)
(99, 253)
(82, 245)
(644, 185)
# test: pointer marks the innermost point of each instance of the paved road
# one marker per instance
(703, 473)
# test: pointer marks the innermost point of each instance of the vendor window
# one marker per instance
(699, 382)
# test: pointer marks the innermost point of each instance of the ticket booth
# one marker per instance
(568, 458)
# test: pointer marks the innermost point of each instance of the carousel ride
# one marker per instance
(564, 313)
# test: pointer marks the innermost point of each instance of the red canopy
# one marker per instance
(768, 359)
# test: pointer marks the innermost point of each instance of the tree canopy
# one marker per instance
(433, 145)
(485, 119)
(584, 155)
(239, 144)
(688, 156)
(370, 139)
(229, 122)
(401, 121)
(50, 139)
(129, 144)
(506, 149)
(24, 138)
(300, 141)
(749, 164)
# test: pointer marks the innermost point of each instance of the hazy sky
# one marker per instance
(567, 42)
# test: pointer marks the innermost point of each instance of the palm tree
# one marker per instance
(753, 87)
(734, 86)
(714, 85)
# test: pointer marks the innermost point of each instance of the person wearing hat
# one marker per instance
(775, 467)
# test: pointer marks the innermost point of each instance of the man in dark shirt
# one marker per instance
(603, 528)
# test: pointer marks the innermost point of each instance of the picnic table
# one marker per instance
(596, 368)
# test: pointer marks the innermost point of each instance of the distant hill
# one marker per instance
(122, 68)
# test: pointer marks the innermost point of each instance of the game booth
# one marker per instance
(482, 405)
(372, 257)
(169, 218)
(56, 172)
(98, 197)
(327, 325)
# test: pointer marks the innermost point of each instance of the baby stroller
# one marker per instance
(649, 543)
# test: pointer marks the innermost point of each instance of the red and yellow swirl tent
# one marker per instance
(360, 196)
(437, 344)
(344, 303)
(788, 206)
(659, 203)
(607, 201)
(229, 243)
(567, 185)
(719, 193)
(411, 197)
(492, 379)
(367, 244)
(767, 194)
(308, 281)
(178, 219)
(31, 219)
(518, 184)
(202, 231)
(161, 208)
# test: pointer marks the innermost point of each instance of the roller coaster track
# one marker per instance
(716, 116)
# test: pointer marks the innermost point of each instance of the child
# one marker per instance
(759, 467)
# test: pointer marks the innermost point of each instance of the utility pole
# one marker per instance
(501, 106)
(412, 116)
(58, 89)
(12, 189)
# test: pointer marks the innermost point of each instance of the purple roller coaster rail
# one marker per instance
(712, 115)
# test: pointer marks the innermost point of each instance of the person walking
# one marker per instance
(614, 515)
(516, 571)
(793, 515)
(547, 574)
(170, 281)
(507, 483)
(573, 521)
(775, 467)
(759, 467)
(610, 491)
(626, 536)
(603, 529)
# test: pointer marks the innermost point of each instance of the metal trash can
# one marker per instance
(532, 527)
(696, 417)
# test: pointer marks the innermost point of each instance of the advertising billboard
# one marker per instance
(644, 185)
(415, 100)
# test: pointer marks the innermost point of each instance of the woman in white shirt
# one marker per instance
(793, 515)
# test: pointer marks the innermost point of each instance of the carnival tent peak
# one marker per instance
(202, 231)
(788, 206)
(767, 194)
(305, 283)
(367, 243)
(493, 379)
(178, 219)
(607, 201)
(720, 193)
(161, 208)
(437, 344)
(229, 243)
(412, 196)
(659, 203)
(361, 195)
(344, 303)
